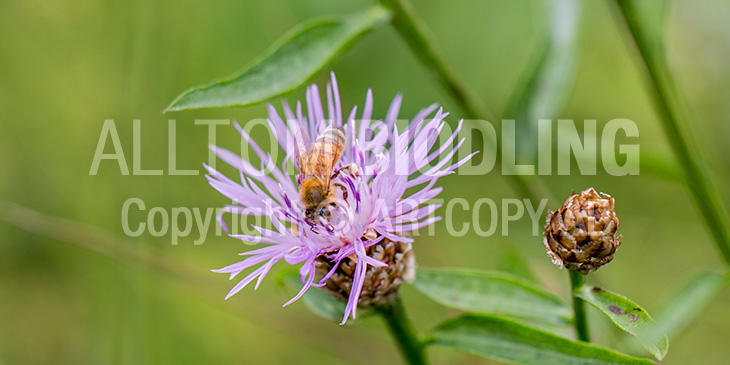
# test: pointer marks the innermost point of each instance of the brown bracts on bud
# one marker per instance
(581, 235)
(381, 283)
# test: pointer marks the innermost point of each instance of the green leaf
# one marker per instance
(689, 301)
(291, 62)
(514, 261)
(628, 316)
(491, 293)
(319, 303)
(504, 340)
(653, 164)
(645, 23)
(660, 166)
(652, 15)
(548, 78)
(316, 300)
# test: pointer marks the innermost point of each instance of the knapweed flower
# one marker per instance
(372, 206)
(581, 235)
(380, 283)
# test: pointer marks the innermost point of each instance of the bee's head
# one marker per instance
(313, 214)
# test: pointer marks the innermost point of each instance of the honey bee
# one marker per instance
(316, 173)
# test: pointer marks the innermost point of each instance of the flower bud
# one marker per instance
(381, 284)
(581, 235)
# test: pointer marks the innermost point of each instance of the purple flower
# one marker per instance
(376, 208)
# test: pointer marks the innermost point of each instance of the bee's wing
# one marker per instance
(327, 164)
(302, 153)
(324, 155)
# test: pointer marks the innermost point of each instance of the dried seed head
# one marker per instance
(581, 235)
(381, 283)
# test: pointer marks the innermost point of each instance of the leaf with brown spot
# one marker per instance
(628, 316)
(511, 342)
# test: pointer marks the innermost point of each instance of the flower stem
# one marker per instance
(415, 34)
(420, 42)
(580, 321)
(395, 316)
(662, 90)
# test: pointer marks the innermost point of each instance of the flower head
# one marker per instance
(581, 235)
(380, 284)
(380, 162)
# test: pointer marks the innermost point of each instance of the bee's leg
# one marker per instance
(326, 224)
(344, 191)
(337, 173)
(352, 169)
(313, 228)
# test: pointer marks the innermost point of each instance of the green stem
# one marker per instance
(581, 322)
(662, 89)
(420, 42)
(415, 34)
(395, 316)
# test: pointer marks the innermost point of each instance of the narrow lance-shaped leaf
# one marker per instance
(689, 301)
(514, 261)
(651, 164)
(291, 62)
(653, 15)
(492, 293)
(504, 340)
(644, 21)
(628, 316)
(318, 302)
(548, 79)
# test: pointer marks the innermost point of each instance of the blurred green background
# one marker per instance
(66, 66)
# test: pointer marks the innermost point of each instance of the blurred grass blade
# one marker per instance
(628, 316)
(689, 301)
(263, 312)
(651, 163)
(492, 293)
(514, 261)
(305, 51)
(415, 33)
(652, 14)
(548, 80)
(321, 304)
(644, 22)
(507, 341)
(660, 166)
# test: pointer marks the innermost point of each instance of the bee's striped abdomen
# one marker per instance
(325, 153)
